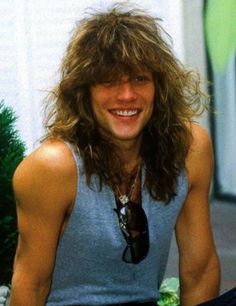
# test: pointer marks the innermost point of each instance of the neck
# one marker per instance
(129, 190)
(129, 154)
(130, 158)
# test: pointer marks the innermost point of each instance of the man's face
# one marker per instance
(123, 107)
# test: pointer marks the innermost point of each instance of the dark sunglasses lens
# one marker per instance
(134, 225)
(137, 250)
(138, 246)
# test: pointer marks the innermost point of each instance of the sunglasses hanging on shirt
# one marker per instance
(134, 226)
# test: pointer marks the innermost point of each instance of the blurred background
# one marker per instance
(33, 38)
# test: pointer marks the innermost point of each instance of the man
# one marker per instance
(122, 166)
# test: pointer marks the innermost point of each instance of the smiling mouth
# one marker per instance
(125, 113)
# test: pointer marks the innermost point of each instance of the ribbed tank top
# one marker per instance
(89, 269)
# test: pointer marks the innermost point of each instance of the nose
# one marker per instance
(126, 92)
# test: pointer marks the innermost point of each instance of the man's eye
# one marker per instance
(107, 83)
(140, 78)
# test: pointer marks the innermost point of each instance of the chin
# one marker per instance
(127, 137)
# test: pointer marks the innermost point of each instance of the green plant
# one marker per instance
(11, 153)
(169, 292)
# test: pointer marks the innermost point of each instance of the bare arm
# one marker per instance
(44, 185)
(199, 264)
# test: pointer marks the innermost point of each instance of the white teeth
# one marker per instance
(125, 112)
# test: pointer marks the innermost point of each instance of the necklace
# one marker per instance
(125, 198)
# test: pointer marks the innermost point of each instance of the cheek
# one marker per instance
(150, 103)
(98, 100)
(99, 110)
(95, 110)
(95, 102)
(97, 107)
(150, 97)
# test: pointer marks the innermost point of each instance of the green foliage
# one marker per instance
(169, 292)
(11, 153)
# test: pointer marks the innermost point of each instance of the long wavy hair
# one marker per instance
(104, 46)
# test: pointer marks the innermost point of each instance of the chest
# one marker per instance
(93, 217)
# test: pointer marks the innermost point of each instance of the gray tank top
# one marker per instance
(89, 269)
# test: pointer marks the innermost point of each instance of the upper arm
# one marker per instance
(193, 228)
(44, 186)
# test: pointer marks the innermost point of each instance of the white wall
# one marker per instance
(194, 45)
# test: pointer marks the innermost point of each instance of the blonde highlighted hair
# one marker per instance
(104, 46)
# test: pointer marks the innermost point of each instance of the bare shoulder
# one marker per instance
(46, 169)
(52, 157)
(201, 139)
(52, 154)
(199, 160)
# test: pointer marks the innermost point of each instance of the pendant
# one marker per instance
(124, 199)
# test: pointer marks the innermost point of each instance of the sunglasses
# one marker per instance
(134, 226)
